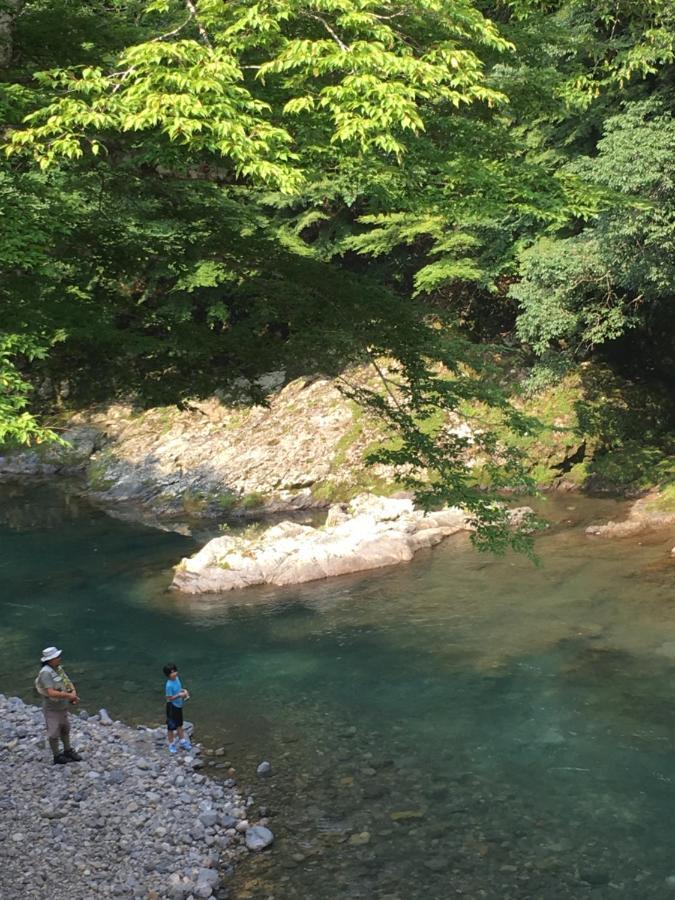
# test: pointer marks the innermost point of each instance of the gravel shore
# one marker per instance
(129, 821)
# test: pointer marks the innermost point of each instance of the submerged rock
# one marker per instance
(258, 838)
(358, 840)
(595, 877)
(370, 533)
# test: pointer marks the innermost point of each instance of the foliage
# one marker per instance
(579, 292)
(665, 500)
(430, 455)
(204, 83)
(17, 425)
(195, 192)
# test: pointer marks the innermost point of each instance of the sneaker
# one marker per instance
(173, 748)
(61, 759)
(185, 744)
(72, 755)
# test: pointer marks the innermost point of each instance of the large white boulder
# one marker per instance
(368, 533)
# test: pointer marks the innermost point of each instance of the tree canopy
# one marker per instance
(193, 191)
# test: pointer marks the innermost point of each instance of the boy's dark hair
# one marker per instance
(169, 668)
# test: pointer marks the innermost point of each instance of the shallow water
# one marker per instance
(459, 726)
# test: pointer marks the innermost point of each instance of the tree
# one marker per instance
(218, 189)
(617, 272)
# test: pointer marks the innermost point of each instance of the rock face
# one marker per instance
(56, 459)
(220, 457)
(369, 533)
(130, 820)
(216, 457)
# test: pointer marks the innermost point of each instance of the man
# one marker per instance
(58, 692)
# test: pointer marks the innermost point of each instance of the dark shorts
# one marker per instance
(174, 717)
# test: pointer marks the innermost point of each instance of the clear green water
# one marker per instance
(498, 730)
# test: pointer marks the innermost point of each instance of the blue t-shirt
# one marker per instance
(173, 687)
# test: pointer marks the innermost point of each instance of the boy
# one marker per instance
(176, 695)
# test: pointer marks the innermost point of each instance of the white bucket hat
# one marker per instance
(50, 653)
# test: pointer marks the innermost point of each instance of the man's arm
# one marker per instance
(61, 695)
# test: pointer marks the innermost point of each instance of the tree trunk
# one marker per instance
(8, 13)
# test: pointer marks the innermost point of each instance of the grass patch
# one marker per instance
(224, 500)
(345, 490)
(194, 503)
(166, 417)
(332, 491)
(98, 478)
(350, 437)
(237, 418)
(253, 531)
(254, 500)
(665, 502)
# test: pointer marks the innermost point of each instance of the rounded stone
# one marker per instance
(258, 838)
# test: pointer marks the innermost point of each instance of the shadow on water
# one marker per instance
(461, 726)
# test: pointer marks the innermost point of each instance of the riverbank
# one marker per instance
(129, 821)
(225, 457)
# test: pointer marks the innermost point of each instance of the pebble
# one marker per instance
(258, 838)
(437, 864)
(358, 840)
(114, 802)
(208, 818)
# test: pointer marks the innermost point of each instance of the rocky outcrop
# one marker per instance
(80, 443)
(644, 516)
(229, 456)
(303, 448)
(369, 533)
(219, 457)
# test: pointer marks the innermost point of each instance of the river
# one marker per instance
(461, 726)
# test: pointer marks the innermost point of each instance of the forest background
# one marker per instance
(480, 193)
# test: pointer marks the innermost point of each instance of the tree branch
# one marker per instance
(163, 37)
(385, 381)
(203, 33)
(336, 37)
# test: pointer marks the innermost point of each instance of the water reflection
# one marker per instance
(23, 511)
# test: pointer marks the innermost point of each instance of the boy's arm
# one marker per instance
(172, 697)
